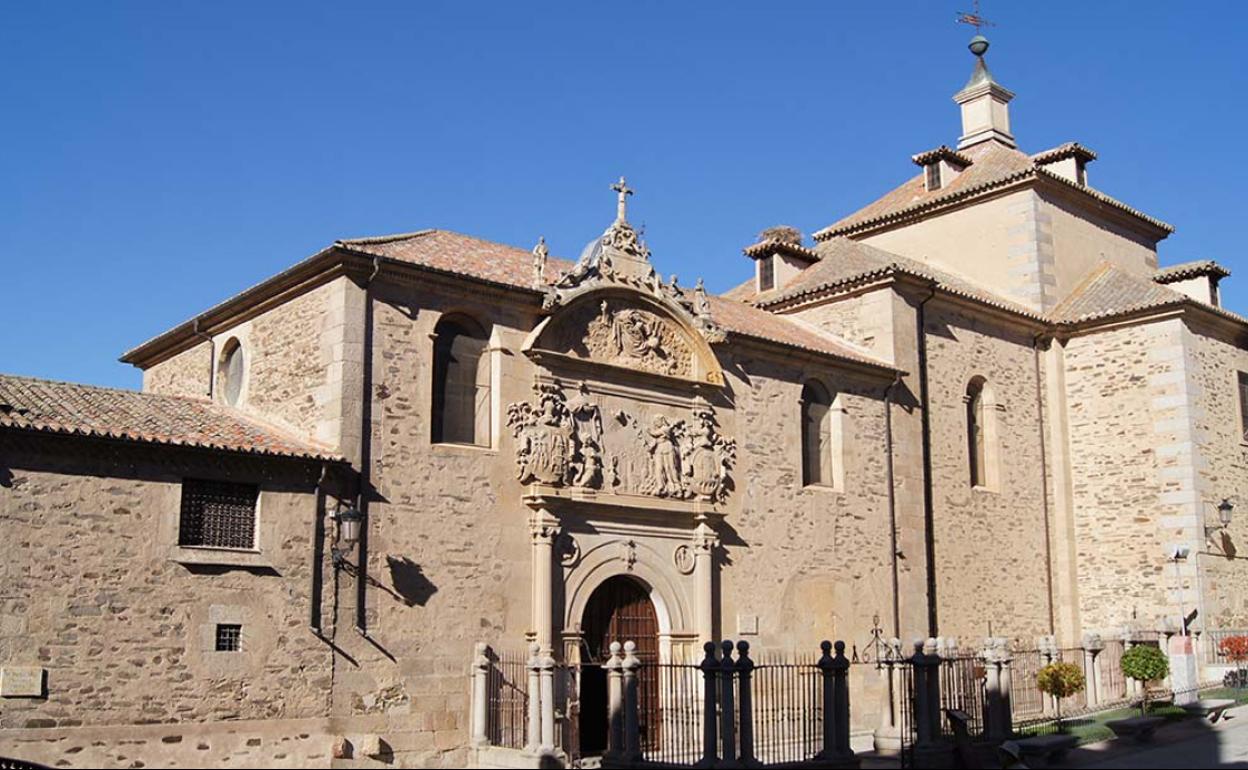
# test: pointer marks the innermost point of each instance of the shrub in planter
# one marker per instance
(1145, 663)
(1061, 680)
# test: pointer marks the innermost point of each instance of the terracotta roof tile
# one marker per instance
(85, 410)
(459, 254)
(1182, 272)
(464, 255)
(994, 165)
(1109, 290)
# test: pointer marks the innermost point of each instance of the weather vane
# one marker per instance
(974, 18)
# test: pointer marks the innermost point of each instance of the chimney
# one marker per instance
(984, 103)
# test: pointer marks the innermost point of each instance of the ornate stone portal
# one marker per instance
(569, 443)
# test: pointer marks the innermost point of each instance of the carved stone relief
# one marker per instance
(631, 337)
(570, 444)
(684, 559)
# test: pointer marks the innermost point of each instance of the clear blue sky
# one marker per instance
(158, 157)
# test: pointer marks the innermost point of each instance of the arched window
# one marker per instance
(461, 383)
(975, 428)
(230, 371)
(816, 435)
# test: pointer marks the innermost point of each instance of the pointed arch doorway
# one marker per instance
(618, 610)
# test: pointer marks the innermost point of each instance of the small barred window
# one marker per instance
(218, 514)
(229, 637)
(933, 176)
(767, 273)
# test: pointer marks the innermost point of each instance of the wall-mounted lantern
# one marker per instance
(350, 521)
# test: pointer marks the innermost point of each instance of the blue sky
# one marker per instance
(160, 156)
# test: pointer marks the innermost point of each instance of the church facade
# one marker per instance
(976, 407)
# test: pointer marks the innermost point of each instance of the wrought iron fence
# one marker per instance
(788, 710)
(669, 697)
(507, 693)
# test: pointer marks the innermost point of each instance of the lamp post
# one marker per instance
(1177, 554)
(349, 522)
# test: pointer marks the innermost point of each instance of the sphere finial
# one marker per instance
(978, 45)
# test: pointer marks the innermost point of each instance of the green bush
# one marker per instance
(1061, 680)
(1145, 663)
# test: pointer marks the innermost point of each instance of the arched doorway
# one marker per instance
(619, 610)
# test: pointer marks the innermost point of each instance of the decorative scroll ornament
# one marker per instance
(619, 257)
(564, 443)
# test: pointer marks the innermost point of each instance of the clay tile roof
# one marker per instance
(1190, 270)
(943, 152)
(1109, 290)
(748, 321)
(772, 245)
(85, 410)
(473, 257)
(459, 254)
(994, 166)
(846, 262)
(1068, 150)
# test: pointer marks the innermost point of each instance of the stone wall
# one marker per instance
(991, 541)
(185, 374)
(242, 743)
(1223, 473)
(93, 592)
(1128, 391)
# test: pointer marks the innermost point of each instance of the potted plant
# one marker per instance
(1060, 680)
(1235, 649)
(1145, 663)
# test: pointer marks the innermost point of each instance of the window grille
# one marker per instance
(219, 514)
(229, 637)
(933, 176)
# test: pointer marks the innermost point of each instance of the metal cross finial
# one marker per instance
(974, 18)
(623, 189)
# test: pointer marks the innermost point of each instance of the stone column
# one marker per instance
(480, 698)
(828, 695)
(632, 704)
(704, 543)
(543, 527)
(710, 728)
(534, 665)
(1048, 655)
(993, 730)
(615, 701)
(547, 673)
(727, 709)
(840, 702)
(922, 722)
(745, 703)
(1092, 646)
(930, 651)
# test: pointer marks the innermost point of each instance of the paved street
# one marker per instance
(1189, 745)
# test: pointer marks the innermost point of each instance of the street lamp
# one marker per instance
(1225, 509)
(1178, 553)
(349, 522)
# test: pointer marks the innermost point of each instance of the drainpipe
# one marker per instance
(892, 501)
(212, 353)
(366, 453)
(929, 510)
(318, 551)
(1044, 483)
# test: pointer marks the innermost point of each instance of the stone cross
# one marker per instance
(622, 188)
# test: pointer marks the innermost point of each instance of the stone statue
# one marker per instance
(540, 255)
(587, 431)
(661, 440)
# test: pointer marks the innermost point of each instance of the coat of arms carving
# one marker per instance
(564, 443)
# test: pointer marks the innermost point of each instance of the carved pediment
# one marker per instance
(620, 329)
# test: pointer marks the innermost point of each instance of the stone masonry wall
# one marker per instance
(185, 374)
(1131, 446)
(990, 542)
(1223, 469)
(90, 592)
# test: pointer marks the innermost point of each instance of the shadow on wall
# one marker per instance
(409, 581)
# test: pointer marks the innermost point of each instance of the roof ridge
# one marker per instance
(388, 238)
(1100, 269)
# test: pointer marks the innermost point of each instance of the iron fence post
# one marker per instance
(727, 711)
(710, 732)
